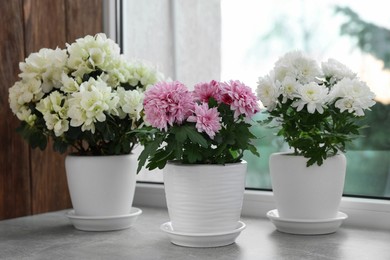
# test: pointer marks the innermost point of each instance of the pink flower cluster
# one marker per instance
(206, 119)
(240, 98)
(204, 91)
(169, 103)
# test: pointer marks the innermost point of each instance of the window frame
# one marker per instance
(362, 212)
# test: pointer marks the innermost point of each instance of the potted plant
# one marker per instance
(199, 138)
(316, 108)
(88, 99)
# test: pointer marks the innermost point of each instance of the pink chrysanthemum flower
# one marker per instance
(204, 91)
(206, 119)
(240, 98)
(167, 103)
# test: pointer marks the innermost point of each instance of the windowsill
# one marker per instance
(51, 236)
(362, 213)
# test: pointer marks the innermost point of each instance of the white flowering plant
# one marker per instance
(209, 125)
(316, 107)
(87, 96)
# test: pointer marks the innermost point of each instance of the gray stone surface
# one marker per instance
(51, 236)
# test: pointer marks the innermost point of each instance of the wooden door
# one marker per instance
(34, 181)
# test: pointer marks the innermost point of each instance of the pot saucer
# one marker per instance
(202, 239)
(104, 223)
(306, 226)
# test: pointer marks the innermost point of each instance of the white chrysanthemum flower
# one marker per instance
(352, 95)
(91, 52)
(289, 88)
(268, 91)
(54, 109)
(335, 71)
(131, 103)
(312, 95)
(47, 65)
(298, 66)
(90, 104)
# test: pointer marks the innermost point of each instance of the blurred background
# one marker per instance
(194, 41)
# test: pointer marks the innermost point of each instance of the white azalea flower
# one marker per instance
(131, 103)
(69, 85)
(142, 73)
(56, 123)
(90, 104)
(47, 65)
(44, 106)
(268, 91)
(13, 96)
(118, 74)
(23, 92)
(77, 87)
(96, 57)
(54, 109)
(91, 52)
(312, 95)
(24, 114)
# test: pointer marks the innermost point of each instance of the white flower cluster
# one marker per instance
(298, 78)
(89, 53)
(80, 85)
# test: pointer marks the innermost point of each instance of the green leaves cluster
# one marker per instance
(315, 136)
(112, 137)
(183, 142)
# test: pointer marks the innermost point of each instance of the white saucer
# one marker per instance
(306, 226)
(202, 239)
(106, 223)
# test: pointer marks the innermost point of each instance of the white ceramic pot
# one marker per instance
(204, 198)
(101, 185)
(302, 192)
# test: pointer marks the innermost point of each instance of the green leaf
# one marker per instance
(35, 137)
(212, 102)
(194, 136)
(149, 149)
(38, 139)
(180, 133)
(253, 150)
(193, 154)
(59, 145)
(160, 158)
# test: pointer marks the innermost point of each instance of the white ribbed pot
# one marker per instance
(101, 185)
(311, 193)
(204, 198)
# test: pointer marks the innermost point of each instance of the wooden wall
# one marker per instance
(32, 181)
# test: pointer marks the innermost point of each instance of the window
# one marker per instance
(200, 40)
